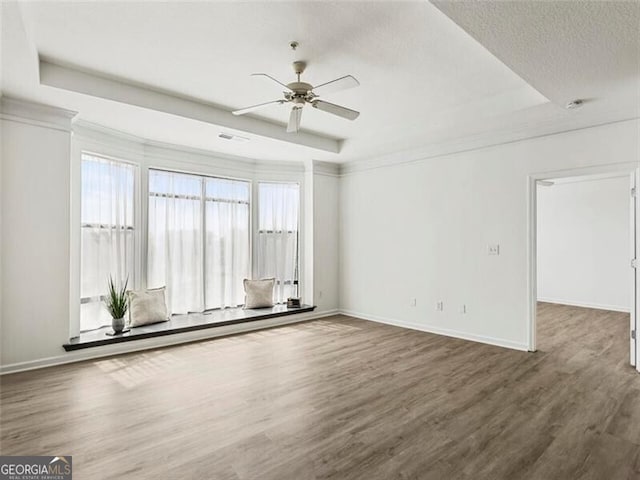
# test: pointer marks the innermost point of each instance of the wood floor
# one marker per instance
(342, 398)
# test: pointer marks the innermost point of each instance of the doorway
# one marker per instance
(583, 233)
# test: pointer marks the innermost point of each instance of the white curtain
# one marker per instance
(198, 240)
(107, 229)
(278, 219)
(227, 242)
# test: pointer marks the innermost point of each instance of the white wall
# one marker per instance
(325, 244)
(1, 203)
(1, 208)
(583, 243)
(421, 230)
(35, 240)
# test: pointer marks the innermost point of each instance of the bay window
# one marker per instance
(198, 238)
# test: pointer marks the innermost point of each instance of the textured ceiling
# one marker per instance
(426, 83)
(566, 49)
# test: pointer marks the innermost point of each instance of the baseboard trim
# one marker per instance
(498, 342)
(596, 306)
(159, 342)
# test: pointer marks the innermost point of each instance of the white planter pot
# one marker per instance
(117, 324)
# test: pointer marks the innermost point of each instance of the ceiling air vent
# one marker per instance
(574, 104)
(235, 138)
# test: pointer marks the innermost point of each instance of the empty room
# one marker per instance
(585, 277)
(319, 240)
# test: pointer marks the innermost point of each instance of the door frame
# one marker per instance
(620, 169)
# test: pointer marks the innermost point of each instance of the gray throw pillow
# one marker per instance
(258, 293)
(147, 306)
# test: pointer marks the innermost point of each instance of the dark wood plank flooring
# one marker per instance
(342, 398)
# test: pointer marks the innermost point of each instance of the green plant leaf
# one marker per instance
(116, 301)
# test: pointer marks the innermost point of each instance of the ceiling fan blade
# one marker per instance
(273, 79)
(336, 85)
(253, 108)
(336, 109)
(294, 120)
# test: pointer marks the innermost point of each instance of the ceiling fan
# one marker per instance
(301, 93)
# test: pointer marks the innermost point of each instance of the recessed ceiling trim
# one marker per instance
(118, 90)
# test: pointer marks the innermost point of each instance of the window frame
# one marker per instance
(256, 233)
(203, 201)
(136, 220)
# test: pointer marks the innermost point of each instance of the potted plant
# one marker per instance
(116, 303)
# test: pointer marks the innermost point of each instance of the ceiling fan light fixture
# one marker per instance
(300, 93)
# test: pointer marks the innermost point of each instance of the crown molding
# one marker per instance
(330, 169)
(517, 134)
(266, 167)
(92, 134)
(97, 136)
(38, 114)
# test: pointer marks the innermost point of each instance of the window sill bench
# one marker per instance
(181, 324)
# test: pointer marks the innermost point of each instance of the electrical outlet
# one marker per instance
(494, 249)
(463, 309)
(440, 306)
(319, 294)
(412, 302)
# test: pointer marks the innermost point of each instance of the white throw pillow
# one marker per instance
(147, 306)
(258, 293)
